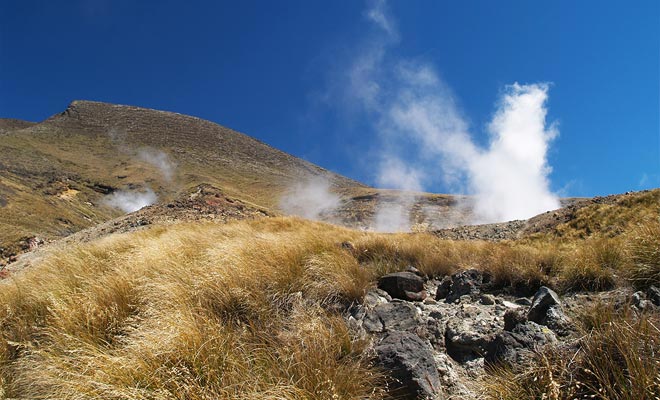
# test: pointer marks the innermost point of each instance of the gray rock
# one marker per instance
(487, 299)
(409, 361)
(516, 347)
(543, 300)
(398, 283)
(463, 283)
(443, 288)
(395, 316)
(653, 294)
(469, 333)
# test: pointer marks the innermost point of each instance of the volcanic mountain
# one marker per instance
(57, 175)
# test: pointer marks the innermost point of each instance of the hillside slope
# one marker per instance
(55, 175)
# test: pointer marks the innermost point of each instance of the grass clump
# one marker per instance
(617, 358)
(644, 251)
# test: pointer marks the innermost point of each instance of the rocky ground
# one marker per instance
(435, 338)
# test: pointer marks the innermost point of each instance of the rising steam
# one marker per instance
(129, 201)
(310, 199)
(158, 159)
(413, 109)
(132, 200)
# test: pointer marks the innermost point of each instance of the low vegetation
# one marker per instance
(254, 309)
(617, 357)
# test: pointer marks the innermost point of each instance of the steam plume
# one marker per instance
(129, 201)
(310, 199)
(158, 159)
(413, 109)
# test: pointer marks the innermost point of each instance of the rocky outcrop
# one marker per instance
(464, 283)
(432, 348)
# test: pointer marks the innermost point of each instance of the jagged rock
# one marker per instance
(515, 347)
(487, 299)
(556, 320)
(395, 316)
(639, 300)
(513, 318)
(546, 310)
(443, 288)
(463, 283)
(653, 294)
(398, 283)
(409, 361)
(469, 333)
(543, 300)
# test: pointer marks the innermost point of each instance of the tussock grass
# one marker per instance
(617, 358)
(245, 310)
(644, 250)
(239, 311)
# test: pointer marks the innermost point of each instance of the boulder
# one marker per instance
(469, 333)
(464, 283)
(398, 283)
(409, 362)
(543, 300)
(395, 316)
(443, 288)
(515, 347)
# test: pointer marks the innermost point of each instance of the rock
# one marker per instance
(516, 347)
(372, 299)
(653, 294)
(523, 301)
(469, 333)
(443, 288)
(398, 283)
(396, 316)
(556, 320)
(463, 283)
(409, 361)
(543, 300)
(415, 271)
(513, 318)
(416, 296)
(487, 299)
(430, 301)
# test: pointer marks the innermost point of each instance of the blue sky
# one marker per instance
(276, 71)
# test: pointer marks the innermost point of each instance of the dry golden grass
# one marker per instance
(644, 251)
(239, 311)
(617, 358)
(246, 310)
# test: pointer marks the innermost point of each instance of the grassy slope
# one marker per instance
(249, 309)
